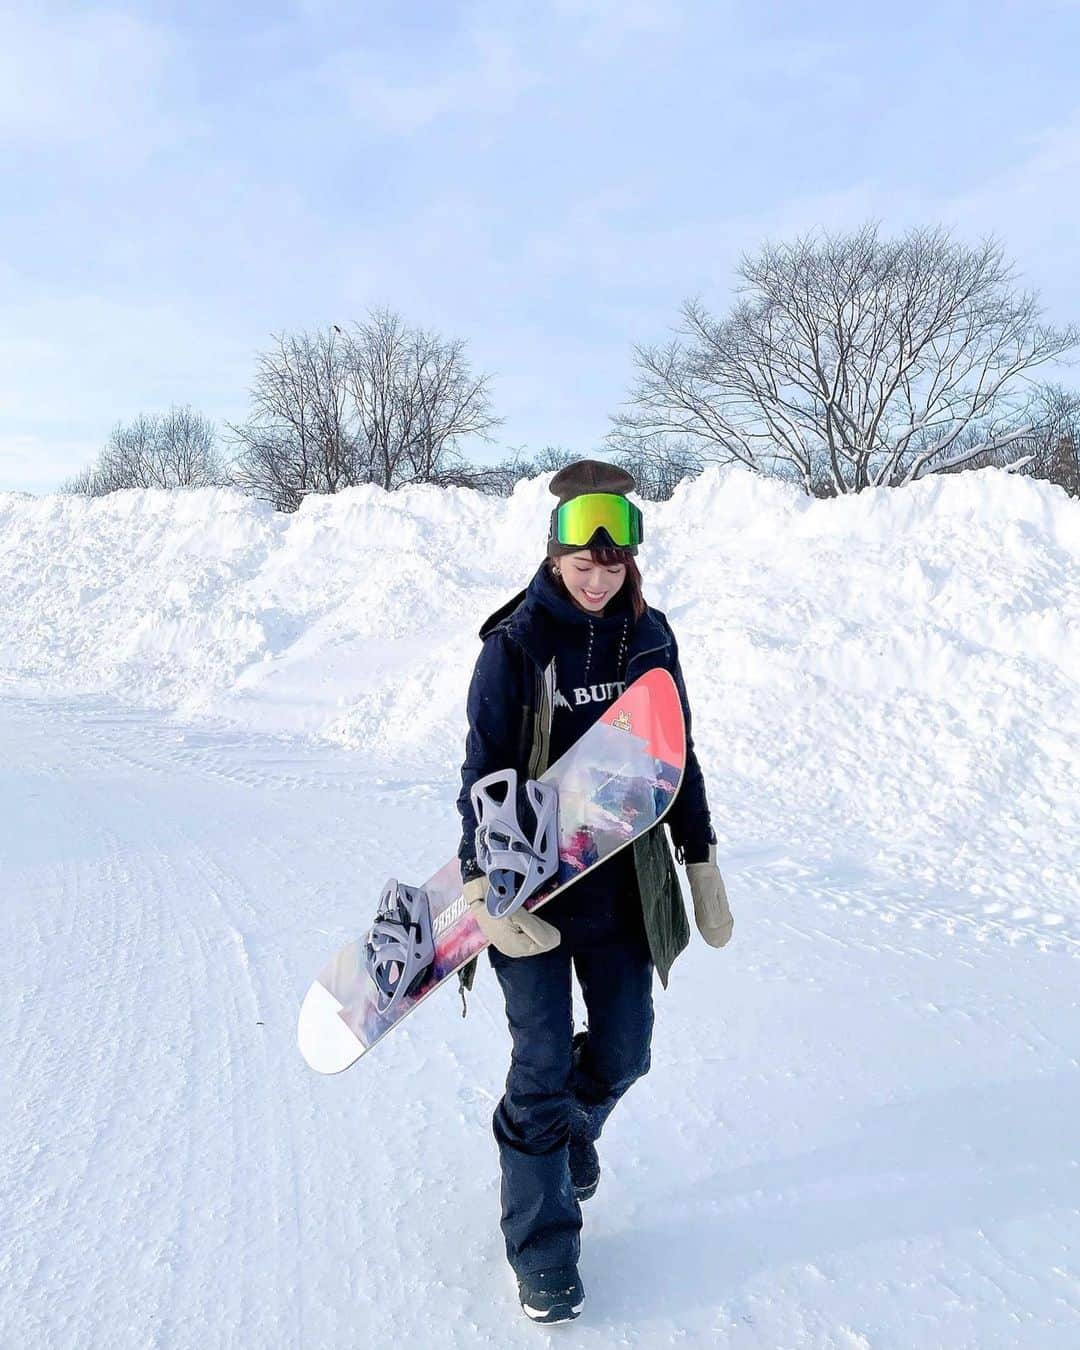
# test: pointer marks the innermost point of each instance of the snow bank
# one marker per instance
(899, 656)
(355, 619)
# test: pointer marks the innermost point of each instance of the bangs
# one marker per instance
(611, 557)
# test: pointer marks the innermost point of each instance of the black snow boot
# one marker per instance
(552, 1295)
(584, 1167)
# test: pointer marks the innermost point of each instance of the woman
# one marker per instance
(553, 659)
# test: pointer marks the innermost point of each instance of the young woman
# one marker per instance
(553, 658)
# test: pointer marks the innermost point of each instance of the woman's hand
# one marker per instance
(519, 934)
(711, 909)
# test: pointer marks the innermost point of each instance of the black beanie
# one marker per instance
(586, 475)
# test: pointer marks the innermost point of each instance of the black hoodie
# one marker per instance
(593, 655)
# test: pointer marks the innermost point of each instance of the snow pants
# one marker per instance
(560, 1085)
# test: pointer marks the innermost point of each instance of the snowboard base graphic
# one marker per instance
(614, 783)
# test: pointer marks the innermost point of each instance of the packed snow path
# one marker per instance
(860, 1127)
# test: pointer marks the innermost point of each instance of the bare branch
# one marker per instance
(849, 361)
(377, 403)
(177, 449)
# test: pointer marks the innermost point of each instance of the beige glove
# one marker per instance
(519, 934)
(711, 910)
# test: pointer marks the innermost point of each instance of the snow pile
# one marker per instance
(355, 619)
(929, 638)
(860, 1124)
(352, 619)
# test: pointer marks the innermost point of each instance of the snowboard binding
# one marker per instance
(400, 949)
(516, 865)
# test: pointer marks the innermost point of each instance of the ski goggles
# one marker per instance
(576, 521)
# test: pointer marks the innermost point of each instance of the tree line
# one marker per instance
(846, 361)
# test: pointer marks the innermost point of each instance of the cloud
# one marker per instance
(488, 78)
(603, 23)
(1045, 179)
(1032, 208)
(84, 79)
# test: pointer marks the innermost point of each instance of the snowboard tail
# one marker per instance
(614, 783)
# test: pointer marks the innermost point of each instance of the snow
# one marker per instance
(223, 729)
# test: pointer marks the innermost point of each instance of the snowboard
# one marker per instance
(614, 783)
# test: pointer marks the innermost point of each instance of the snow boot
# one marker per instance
(550, 1296)
(584, 1168)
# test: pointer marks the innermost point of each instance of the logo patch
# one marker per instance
(592, 693)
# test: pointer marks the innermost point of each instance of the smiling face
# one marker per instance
(591, 584)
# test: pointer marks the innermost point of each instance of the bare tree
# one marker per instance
(380, 403)
(658, 469)
(299, 438)
(550, 459)
(1049, 447)
(414, 398)
(1054, 445)
(659, 464)
(81, 484)
(177, 449)
(499, 480)
(496, 480)
(850, 361)
(1063, 463)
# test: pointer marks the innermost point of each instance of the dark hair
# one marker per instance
(611, 557)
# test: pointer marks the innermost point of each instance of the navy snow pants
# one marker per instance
(556, 1089)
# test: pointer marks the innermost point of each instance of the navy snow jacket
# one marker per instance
(546, 672)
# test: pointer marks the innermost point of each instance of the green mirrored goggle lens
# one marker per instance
(576, 521)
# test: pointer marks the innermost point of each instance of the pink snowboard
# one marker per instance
(615, 783)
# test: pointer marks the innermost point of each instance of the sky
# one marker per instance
(548, 181)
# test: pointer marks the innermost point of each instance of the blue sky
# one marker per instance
(546, 180)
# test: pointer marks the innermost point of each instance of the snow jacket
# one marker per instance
(510, 709)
